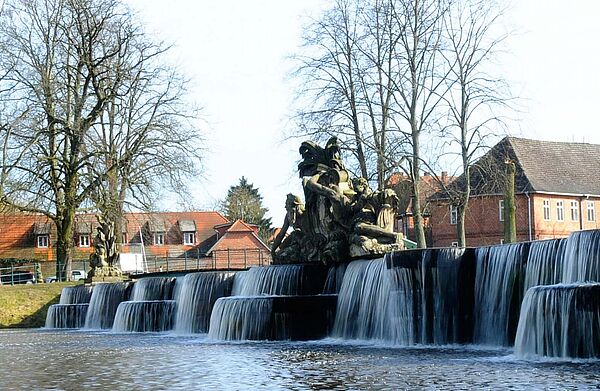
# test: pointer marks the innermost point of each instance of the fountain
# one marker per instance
(343, 273)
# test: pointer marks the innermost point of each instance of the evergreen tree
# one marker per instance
(244, 202)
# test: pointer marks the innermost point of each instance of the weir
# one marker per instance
(196, 294)
(105, 299)
(144, 316)
(520, 294)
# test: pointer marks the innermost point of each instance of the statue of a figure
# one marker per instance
(293, 218)
(342, 217)
(103, 260)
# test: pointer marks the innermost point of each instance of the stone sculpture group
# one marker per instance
(343, 217)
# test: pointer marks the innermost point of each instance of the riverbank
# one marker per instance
(25, 306)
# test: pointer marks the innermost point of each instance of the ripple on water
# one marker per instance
(100, 360)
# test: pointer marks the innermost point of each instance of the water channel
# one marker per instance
(72, 360)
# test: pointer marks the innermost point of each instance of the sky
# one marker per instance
(236, 54)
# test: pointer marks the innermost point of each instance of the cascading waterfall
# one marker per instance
(72, 309)
(582, 257)
(66, 316)
(498, 292)
(452, 277)
(335, 277)
(363, 302)
(153, 288)
(196, 294)
(144, 316)
(560, 321)
(269, 280)
(242, 318)
(78, 294)
(545, 262)
(105, 299)
(150, 308)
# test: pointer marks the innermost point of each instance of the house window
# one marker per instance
(574, 211)
(501, 241)
(453, 214)
(84, 240)
(42, 241)
(159, 238)
(189, 238)
(560, 211)
(454, 244)
(591, 211)
(124, 238)
(547, 210)
(501, 210)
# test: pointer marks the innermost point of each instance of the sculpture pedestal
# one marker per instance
(105, 274)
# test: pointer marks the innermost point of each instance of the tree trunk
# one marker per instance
(510, 224)
(64, 245)
(416, 200)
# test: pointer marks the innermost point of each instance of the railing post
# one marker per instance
(197, 259)
(185, 260)
(167, 261)
(228, 259)
(155, 266)
(12, 274)
(245, 259)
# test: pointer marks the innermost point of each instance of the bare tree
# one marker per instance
(150, 129)
(66, 62)
(419, 86)
(330, 91)
(475, 98)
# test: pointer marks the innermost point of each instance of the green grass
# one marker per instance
(25, 306)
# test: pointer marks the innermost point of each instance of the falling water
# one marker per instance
(498, 292)
(242, 318)
(335, 277)
(78, 294)
(153, 288)
(560, 321)
(196, 294)
(144, 316)
(582, 257)
(545, 262)
(363, 301)
(66, 316)
(269, 280)
(449, 303)
(103, 304)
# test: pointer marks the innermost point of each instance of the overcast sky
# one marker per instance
(234, 51)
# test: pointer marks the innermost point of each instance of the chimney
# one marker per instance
(444, 177)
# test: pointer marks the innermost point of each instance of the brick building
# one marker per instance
(556, 193)
(197, 236)
(402, 185)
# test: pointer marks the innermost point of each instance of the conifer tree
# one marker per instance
(244, 202)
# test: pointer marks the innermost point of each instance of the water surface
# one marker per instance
(72, 360)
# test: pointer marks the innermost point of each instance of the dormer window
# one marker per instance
(188, 229)
(43, 241)
(42, 234)
(189, 238)
(159, 238)
(84, 240)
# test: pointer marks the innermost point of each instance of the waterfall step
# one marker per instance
(274, 318)
(144, 316)
(66, 316)
(561, 320)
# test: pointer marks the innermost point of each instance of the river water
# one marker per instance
(74, 360)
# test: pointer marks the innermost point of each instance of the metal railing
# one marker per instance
(22, 274)
(219, 259)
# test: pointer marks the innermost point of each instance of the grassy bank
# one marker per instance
(25, 306)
